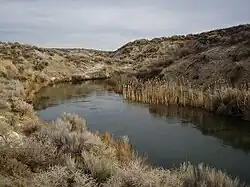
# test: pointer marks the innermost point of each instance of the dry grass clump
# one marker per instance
(76, 123)
(11, 88)
(62, 176)
(66, 141)
(19, 160)
(4, 128)
(40, 65)
(31, 127)
(22, 108)
(8, 69)
(223, 100)
(204, 176)
(13, 182)
(60, 154)
(13, 167)
(33, 153)
(123, 148)
(4, 104)
(99, 167)
(69, 135)
(136, 173)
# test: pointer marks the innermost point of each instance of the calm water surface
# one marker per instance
(167, 135)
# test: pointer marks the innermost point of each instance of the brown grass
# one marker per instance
(204, 176)
(22, 108)
(122, 147)
(62, 155)
(221, 100)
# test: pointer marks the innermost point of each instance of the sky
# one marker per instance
(109, 24)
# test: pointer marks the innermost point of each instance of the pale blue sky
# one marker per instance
(108, 24)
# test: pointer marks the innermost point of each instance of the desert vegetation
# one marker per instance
(66, 153)
(223, 100)
(209, 70)
(202, 59)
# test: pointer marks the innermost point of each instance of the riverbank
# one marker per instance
(66, 153)
(35, 153)
(221, 100)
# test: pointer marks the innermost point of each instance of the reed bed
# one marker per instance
(223, 100)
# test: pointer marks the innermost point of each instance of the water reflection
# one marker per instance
(168, 135)
(232, 132)
(58, 94)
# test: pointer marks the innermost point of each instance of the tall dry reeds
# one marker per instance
(223, 100)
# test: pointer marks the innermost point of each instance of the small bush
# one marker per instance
(12, 167)
(40, 65)
(205, 176)
(98, 167)
(108, 61)
(136, 173)
(64, 141)
(63, 177)
(76, 123)
(35, 154)
(81, 180)
(8, 69)
(99, 59)
(22, 107)
(66, 138)
(4, 128)
(31, 127)
(122, 147)
(4, 104)
(183, 52)
(13, 88)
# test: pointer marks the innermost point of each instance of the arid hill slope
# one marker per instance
(216, 56)
(221, 55)
(65, 153)
(20, 61)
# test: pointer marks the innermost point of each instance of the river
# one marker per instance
(168, 136)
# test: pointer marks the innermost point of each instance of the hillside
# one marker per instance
(66, 153)
(216, 56)
(221, 55)
(18, 61)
